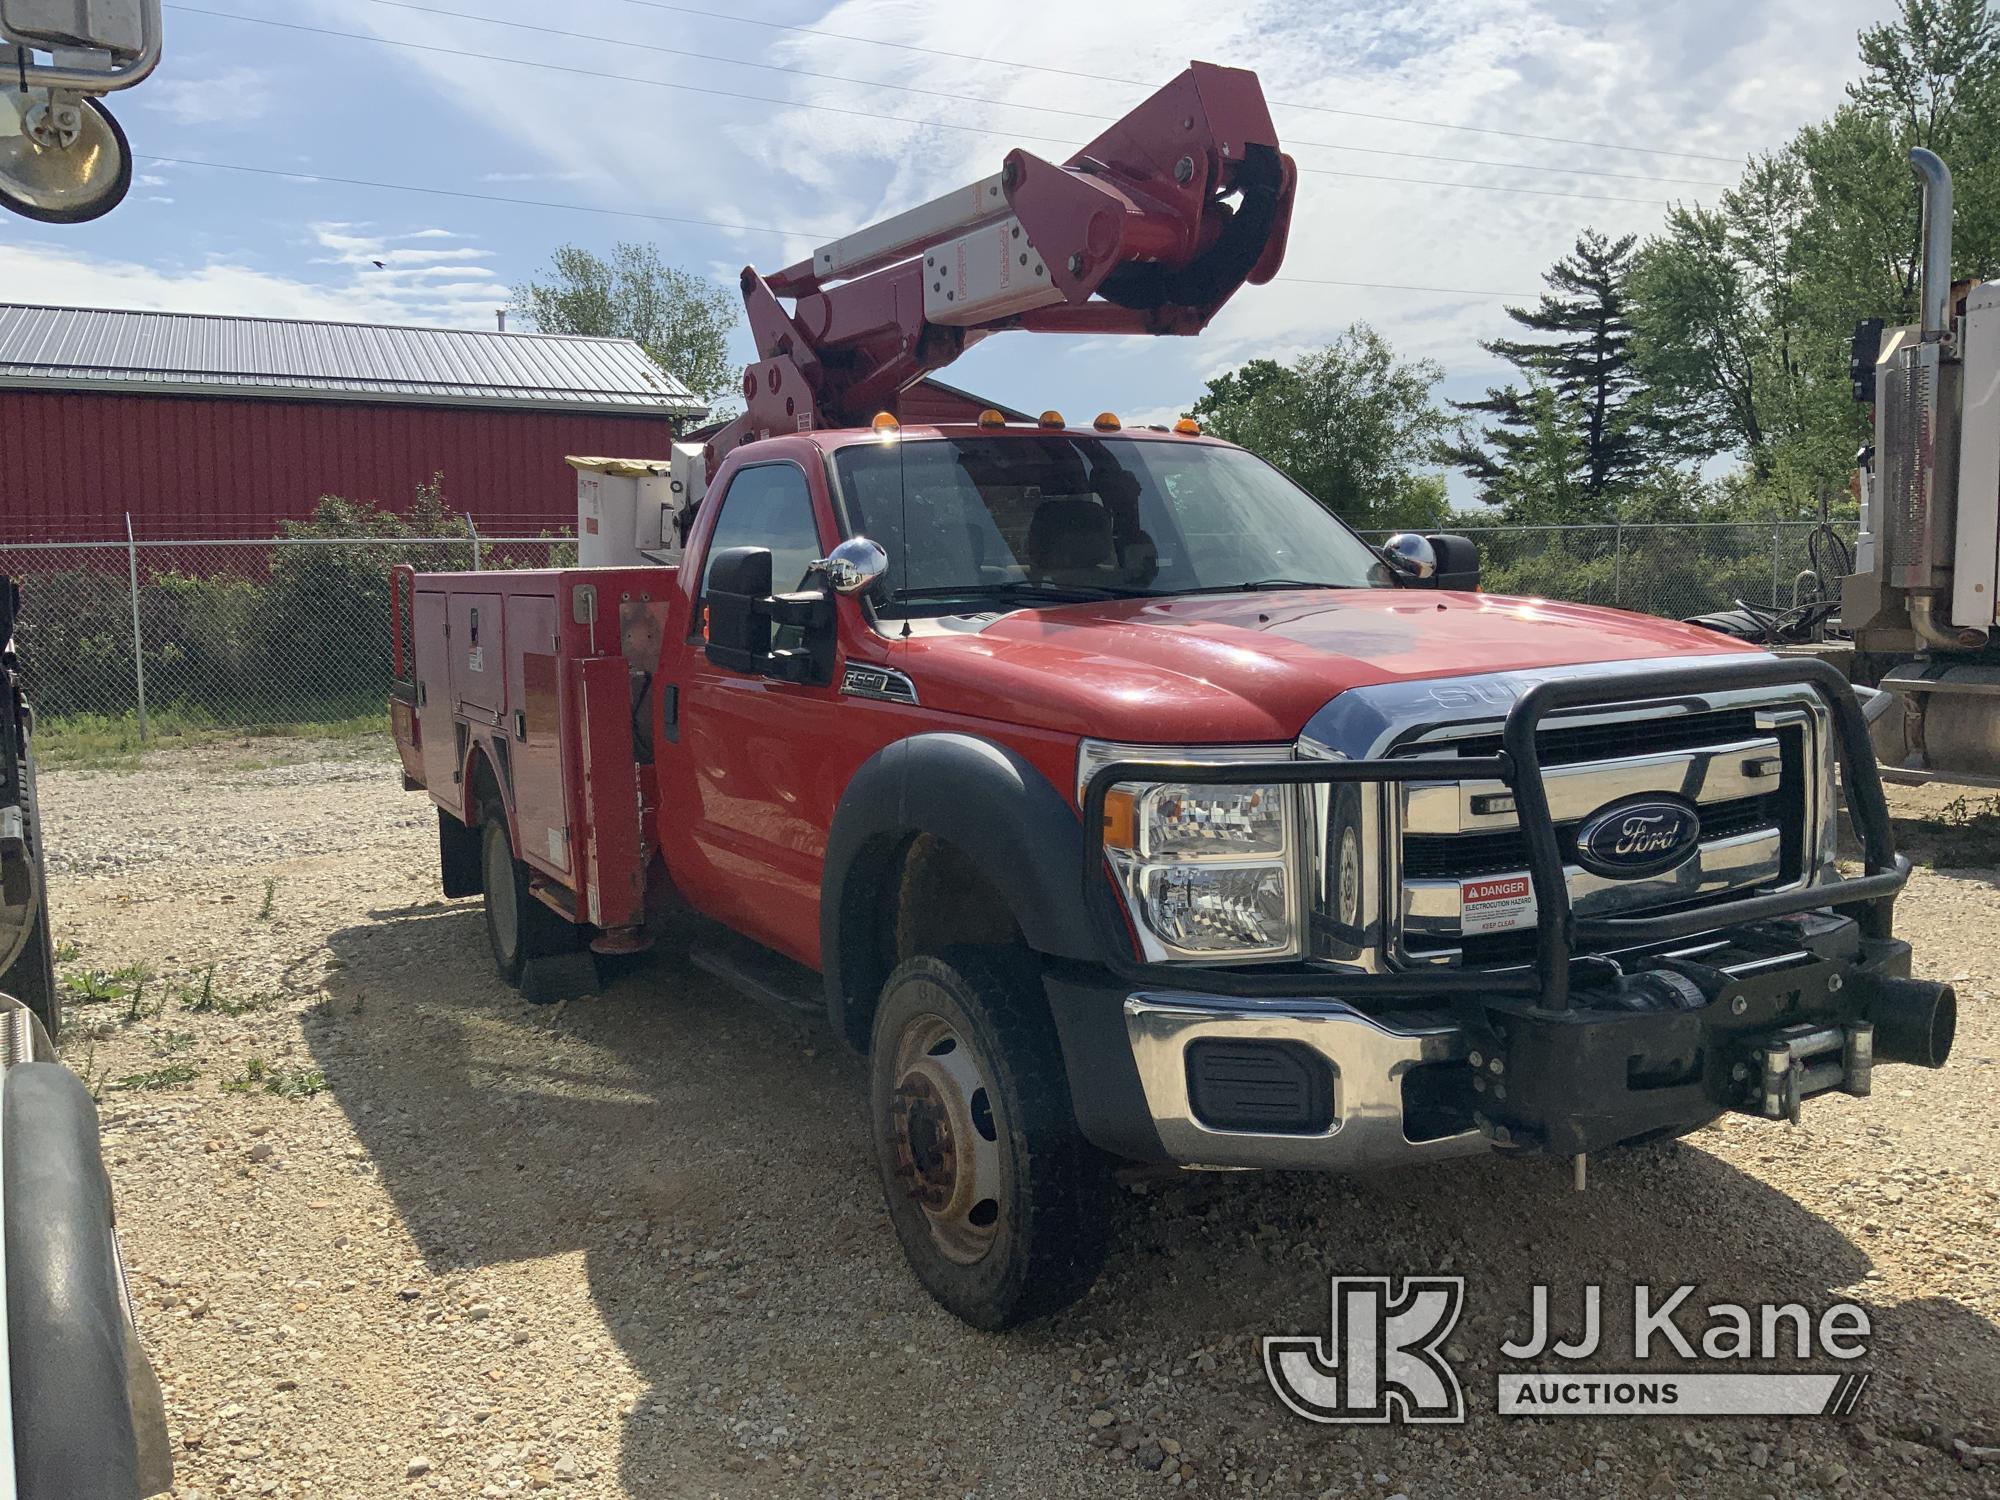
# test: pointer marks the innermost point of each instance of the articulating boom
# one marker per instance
(1150, 228)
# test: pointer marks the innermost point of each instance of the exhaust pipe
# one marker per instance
(1915, 1021)
(1935, 290)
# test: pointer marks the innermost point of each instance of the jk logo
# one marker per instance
(1380, 1361)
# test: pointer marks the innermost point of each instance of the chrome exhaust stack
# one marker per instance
(1935, 289)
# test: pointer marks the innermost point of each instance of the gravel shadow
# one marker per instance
(709, 1162)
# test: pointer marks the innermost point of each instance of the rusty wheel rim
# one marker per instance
(946, 1138)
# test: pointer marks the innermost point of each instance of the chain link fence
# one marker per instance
(130, 643)
(124, 643)
(1672, 570)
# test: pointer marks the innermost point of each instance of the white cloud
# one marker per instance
(234, 96)
(1704, 76)
(62, 275)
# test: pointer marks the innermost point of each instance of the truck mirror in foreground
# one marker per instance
(63, 158)
(854, 567)
(1436, 561)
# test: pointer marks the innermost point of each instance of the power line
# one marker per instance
(834, 109)
(633, 213)
(1325, 109)
(955, 98)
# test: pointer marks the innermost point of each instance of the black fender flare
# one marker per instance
(981, 796)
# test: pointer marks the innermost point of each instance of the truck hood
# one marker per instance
(1243, 668)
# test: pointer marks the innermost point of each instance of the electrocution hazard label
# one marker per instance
(1495, 905)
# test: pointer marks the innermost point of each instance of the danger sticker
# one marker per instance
(1496, 905)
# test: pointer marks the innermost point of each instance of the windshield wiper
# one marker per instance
(1020, 588)
(1254, 586)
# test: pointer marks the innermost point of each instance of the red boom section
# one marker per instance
(1150, 228)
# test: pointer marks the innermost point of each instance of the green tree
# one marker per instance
(1743, 310)
(1585, 365)
(680, 319)
(1352, 423)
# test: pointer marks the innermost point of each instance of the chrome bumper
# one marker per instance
(1367, 1058)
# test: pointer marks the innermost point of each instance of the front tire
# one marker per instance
(519, 927)
(1000, 1203)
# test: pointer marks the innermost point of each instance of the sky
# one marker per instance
(763, 121)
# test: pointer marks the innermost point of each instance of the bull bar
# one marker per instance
(1869, 897)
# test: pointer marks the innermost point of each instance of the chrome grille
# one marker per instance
(1746, 770)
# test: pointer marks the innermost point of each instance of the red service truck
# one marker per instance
(1114, 798)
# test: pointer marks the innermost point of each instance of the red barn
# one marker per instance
(203, 426)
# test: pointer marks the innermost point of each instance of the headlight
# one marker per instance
(1206, 871)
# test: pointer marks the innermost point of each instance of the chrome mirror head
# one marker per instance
(1411, 555)
(854, 567)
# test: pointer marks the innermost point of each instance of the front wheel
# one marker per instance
(999, 1201)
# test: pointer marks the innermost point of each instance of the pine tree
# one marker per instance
(1586, 368)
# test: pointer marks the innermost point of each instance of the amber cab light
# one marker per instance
(1050, 419)
(1121, 819)
(1188, 427)
(992, 418)
(1107, 421)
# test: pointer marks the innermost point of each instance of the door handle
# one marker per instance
(521, 725)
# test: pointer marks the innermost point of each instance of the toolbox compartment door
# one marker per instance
(438, 737)
(534, 726)
(477, 656)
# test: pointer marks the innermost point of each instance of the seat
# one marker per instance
(1069, 540)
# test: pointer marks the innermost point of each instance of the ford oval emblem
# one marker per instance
(1638, 836)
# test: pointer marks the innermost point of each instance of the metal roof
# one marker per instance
(200, 354)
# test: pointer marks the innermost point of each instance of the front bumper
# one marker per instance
(1755, 1020)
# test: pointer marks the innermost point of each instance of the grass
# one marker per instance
(96, 987)
(110, 742)
(169, 1076)
(207, 1000)
(270, 896)
(286, 1083)
(1965, 831)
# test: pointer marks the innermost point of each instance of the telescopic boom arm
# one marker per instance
(1150, 228)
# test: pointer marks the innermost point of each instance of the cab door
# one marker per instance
(759, 773)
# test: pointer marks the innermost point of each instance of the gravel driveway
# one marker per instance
(394, 1231)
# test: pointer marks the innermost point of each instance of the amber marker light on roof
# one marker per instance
(887, 428)
(991, 418)
(1107, 421)
(1050, 419)
(1188, 427)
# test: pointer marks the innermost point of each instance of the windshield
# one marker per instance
(1050, 517)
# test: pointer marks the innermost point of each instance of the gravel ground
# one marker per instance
(400, 1232)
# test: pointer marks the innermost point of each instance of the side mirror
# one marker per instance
(854, 567)
(1438, 561)
(1457, 563)
(740, 613)
(1412, 556)
(735, 618)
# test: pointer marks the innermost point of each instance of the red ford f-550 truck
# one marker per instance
(1117, 800)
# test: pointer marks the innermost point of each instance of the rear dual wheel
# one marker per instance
(519, 926)
(999, 1202)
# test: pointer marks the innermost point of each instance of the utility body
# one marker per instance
(1112, 796)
